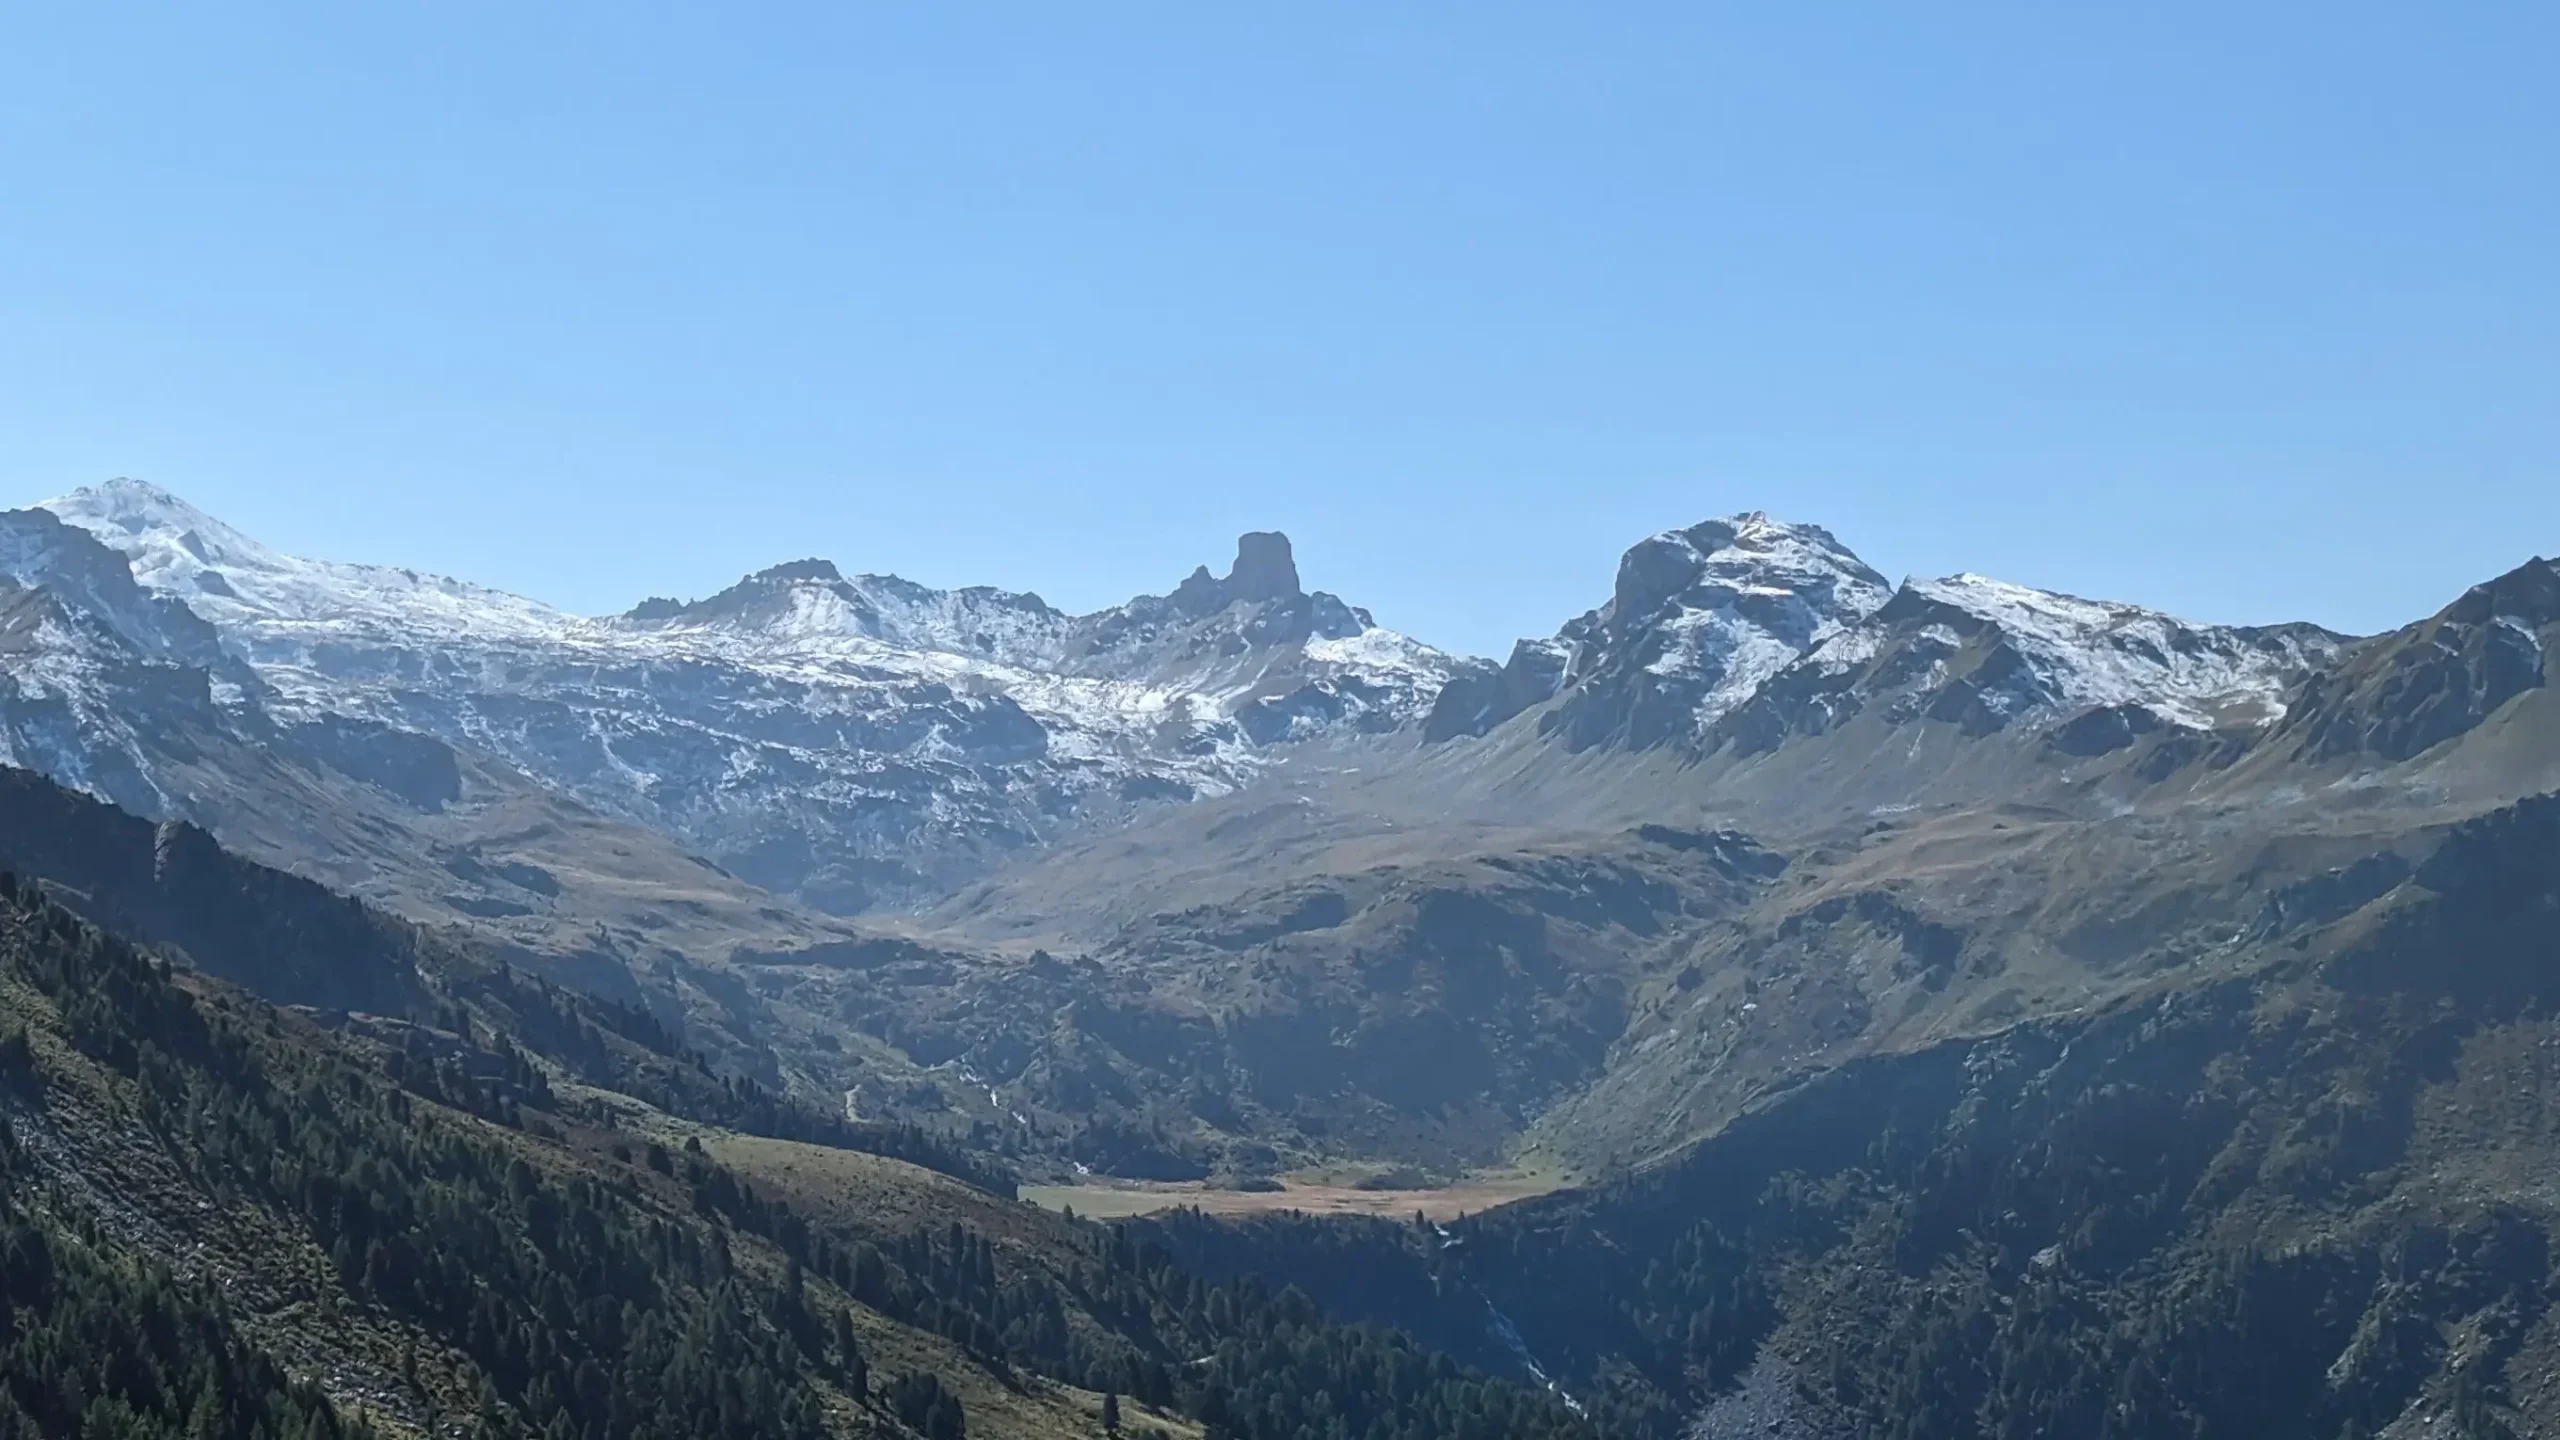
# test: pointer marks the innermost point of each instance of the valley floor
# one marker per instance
(1312, 1194)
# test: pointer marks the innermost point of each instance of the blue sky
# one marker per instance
(2248, 311)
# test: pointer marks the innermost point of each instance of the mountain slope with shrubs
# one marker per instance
(2312, 1201)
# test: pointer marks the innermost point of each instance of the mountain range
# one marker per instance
(851, 742)
(867, 744)
(1801, 924)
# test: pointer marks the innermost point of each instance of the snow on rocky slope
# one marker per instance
(1699, 619)
(1743, 634)
(2086, 652)
(1985, 655)
(90, 661)
(851, 740)
(861, 740)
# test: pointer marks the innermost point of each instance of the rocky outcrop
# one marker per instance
(1699, 618)
(2440, 678)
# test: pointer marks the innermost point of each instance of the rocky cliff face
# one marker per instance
(97, 675)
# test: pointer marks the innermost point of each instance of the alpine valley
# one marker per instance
(1782, 1002)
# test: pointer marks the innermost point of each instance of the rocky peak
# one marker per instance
(741, 602)
(41, 553)
(134, 507)
(1264, 569)
(241, 585)
(1696, 620)
(811, 604)
(2402, 694)
(1739, 561)
(823, 572)
(2528, 595)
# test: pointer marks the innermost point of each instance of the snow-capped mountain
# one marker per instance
(1284, 663)
(92, 582)
(1699, 620)
(1739, 635)
(852, 741)
(94, 670)
(860, 740)
(1982, 655)
(122, 692)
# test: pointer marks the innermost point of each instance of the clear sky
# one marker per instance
(2251, 311)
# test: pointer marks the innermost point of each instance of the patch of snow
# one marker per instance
(2089, 652)
(2526, 636)
(1711, 613)
(174, 547)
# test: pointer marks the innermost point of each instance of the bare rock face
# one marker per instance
(1264, 568)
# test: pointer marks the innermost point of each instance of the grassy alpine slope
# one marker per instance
(2312, 1201)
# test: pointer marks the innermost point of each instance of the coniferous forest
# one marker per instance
(622, 1293)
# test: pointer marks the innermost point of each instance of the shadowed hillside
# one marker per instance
(2314, 1201)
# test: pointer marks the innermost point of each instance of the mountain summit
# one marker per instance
(1698, 619)
(1264, 569)
(246, 588)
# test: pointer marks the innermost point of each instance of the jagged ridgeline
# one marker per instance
(227, 1219)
